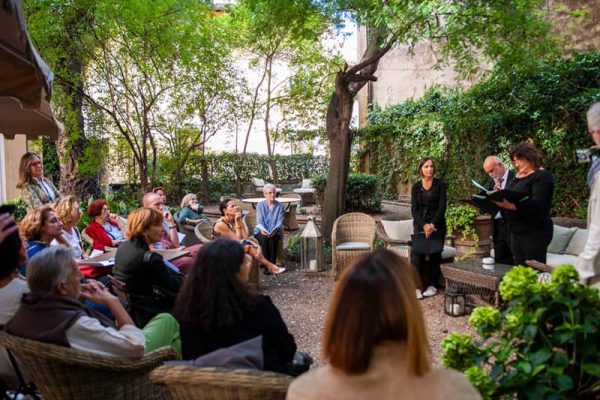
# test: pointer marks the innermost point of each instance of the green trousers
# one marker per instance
(162, 330)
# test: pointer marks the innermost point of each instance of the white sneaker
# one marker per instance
(430, 291)
(419, 294)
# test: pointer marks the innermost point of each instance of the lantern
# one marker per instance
(311, 249)
(454, 301)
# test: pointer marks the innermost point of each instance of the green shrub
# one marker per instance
(544, 345)
(20, 208)
(220, 187)
(362, 192)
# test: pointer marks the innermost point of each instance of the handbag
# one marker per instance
(422, 245)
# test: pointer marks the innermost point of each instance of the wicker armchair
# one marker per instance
(64, 373)
(289, 221)
(190, 238)
(203, 231)
(353, 234)
(185, 382)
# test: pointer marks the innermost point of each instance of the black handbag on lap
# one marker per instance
(422, 245)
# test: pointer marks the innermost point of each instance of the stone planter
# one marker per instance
(465, 246)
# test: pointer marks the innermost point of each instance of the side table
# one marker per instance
(472, 279)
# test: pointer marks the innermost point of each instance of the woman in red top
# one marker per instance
(104, 229)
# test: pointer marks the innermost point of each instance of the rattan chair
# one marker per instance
(289, 220)
(64, 373)
(353, 234)
(189, 231)
(186, 382)
(203, 231)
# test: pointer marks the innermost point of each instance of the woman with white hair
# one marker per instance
(269, 223)
(588, 261)
(191, 210)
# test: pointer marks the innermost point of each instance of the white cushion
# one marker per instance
(353, 246)
(577, 242)
(304, 190)
(398, 230)
(560, 239)
(306, 184)
(556, 260)
(258, 182)
(448, 252)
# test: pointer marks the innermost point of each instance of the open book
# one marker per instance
(499, 195)
(262, 228)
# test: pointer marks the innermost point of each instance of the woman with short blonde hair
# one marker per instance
(191, 210)
(375, 340)
(68, 211)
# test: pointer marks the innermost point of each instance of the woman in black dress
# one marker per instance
(428, 206)
(215, 309)
(529, 221)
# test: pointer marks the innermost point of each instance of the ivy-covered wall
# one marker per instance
(458, 129)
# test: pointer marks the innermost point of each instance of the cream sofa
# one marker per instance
(567, 243)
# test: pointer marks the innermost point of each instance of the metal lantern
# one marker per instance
(311, 249)
(454, 301)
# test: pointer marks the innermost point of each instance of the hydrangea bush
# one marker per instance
(544, 345)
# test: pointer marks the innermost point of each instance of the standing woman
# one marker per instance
(529, 221)
(35, 189)
(428, 207)
(269, 223)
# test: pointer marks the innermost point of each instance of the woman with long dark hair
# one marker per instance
(215, 308)
(377, 349)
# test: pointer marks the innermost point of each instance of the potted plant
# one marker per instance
(292, 251)
(544, 345)
(471, 230)
(319, 182)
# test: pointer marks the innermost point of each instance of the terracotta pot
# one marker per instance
(465, 246)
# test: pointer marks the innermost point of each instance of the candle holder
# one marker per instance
(311, 249)
(454, 301)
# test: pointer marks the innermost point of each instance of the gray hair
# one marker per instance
(593, 117)
(269, 186)
(186, 199)
(50, 267)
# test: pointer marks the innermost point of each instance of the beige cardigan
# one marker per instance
(385, 379)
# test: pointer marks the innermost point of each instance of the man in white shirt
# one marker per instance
(501, 176)
(588, 261)
(53, 312)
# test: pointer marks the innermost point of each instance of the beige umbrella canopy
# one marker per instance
(25, 80)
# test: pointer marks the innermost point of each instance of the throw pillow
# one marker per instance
(244, 355)
(577, 243)
(398, 230)
(560, 239)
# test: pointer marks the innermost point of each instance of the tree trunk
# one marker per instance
(72, 143)
(339, 115)
(205, 186)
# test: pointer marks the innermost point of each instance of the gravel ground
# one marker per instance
(304, 299)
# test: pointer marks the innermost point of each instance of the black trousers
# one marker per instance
(269, 246)
(502, 251)
(428, 266)
(530, 245)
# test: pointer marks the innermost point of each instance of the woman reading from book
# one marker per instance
(231, 226)
(269, 223)
(529, 220)
(428, 207)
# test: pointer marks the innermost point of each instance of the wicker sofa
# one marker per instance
(568, 240)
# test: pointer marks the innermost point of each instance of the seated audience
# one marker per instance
(39, 228)
(215, 308)
(163, 195)
(12, 287)
(36, 189)
(269, 223)
(152, 286)
(191, 210)
(231, 226)
(53, 312)
(377, 349)
(68, 211)
(169, 239)
(104, 229)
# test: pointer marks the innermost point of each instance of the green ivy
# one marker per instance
(458, 129)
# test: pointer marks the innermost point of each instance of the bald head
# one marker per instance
(152, 200)
(494, 167)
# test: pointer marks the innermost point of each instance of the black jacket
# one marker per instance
(262, 318)
(151, 285)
